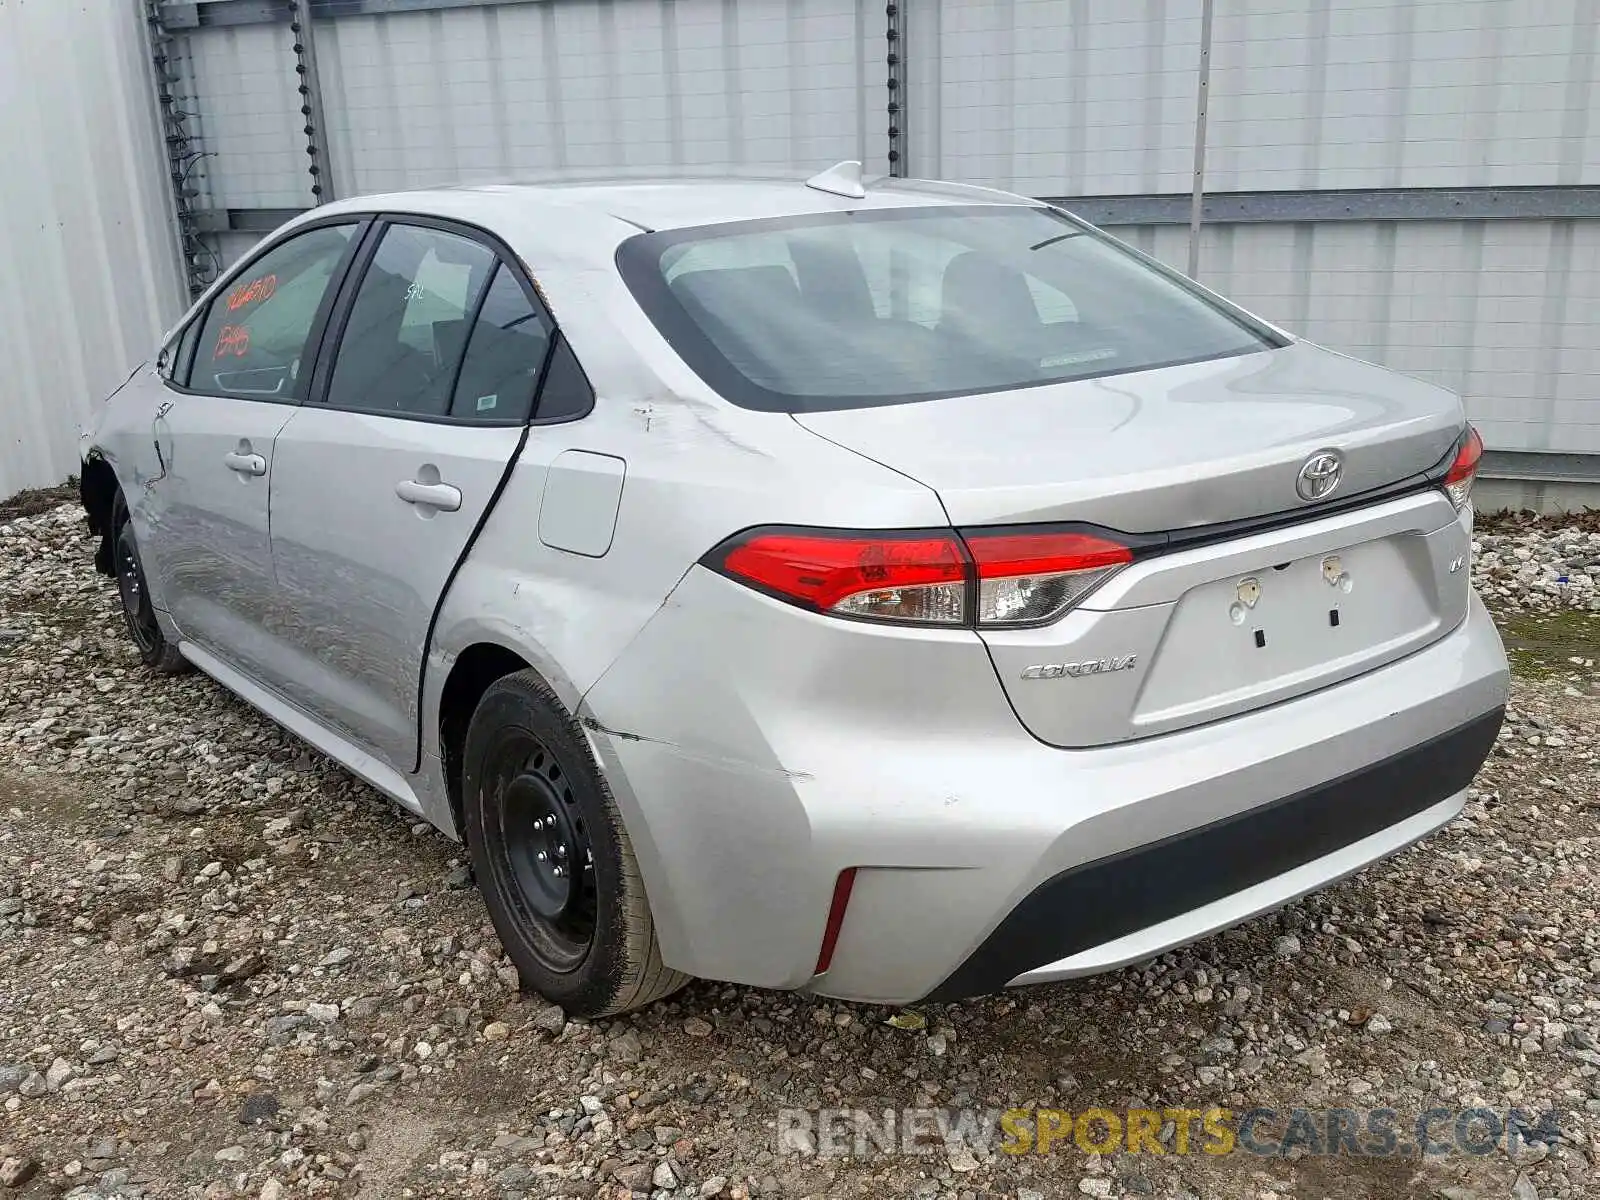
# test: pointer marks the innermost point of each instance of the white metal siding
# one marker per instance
(580, 87)
(1048, 97)
(1402, 93)
(242, 84)
(88, 261)
(1507, 313)
(1055, 97)
(1097, 97)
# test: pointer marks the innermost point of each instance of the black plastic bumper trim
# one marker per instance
(1108, 898)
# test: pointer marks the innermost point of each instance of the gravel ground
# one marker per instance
(229, 969)
(1526, 563)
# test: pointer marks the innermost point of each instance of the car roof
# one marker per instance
(668, 203)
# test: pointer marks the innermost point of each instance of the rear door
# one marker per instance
(420, 404)
(235, 381)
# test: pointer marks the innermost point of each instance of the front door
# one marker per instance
(380, 482)
(208, 553)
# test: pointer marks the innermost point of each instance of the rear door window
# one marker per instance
(253, 341)
(407, 329)
(505, 355)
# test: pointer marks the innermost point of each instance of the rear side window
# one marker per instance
(404, 338)
(567, 393)
(505, 354)
(887, 306)
(253, 340)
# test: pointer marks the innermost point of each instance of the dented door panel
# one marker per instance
(364, 540)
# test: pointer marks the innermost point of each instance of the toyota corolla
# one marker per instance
(887, 591)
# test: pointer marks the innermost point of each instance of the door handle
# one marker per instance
(245, 464)
(430, 495)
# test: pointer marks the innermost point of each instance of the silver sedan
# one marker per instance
(890, 591)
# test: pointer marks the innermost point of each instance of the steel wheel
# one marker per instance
(136, 607)
(552, 856)
(543, 851)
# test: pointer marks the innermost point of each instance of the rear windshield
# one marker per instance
(887, 306)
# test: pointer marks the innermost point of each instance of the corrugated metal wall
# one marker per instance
(1061, 98)
(1403, 93)
(1097, 98)
(89, 273)
(570, 87)
(586, 86)
(1055, 97)
(240, 86)
(1507, 313)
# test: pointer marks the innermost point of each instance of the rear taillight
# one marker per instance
(1458, 479)
(914, 577)
(979, 577)
(1031, 578)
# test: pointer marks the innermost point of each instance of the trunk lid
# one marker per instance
(1154, 451)
(1210, 623)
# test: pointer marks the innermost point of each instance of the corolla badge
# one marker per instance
(1319, 475)
(1072, 670)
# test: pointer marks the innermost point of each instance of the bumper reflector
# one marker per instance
(841, 901)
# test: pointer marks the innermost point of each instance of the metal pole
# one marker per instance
(309, 87)
(182, 145)
(895, 36)
(1202, 94)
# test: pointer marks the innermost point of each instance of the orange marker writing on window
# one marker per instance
(234, 340)
(249, 293)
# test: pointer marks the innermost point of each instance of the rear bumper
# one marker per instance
(756, 751)
(1128, 906)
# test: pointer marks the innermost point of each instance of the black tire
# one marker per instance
(552, 858)
(137, 611)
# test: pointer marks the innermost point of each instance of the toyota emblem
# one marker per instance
(1319, 475)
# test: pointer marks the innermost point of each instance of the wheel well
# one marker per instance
(475, 669)
(97, 488)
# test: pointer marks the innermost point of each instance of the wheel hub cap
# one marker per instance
(548, 852)
(135, 604)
